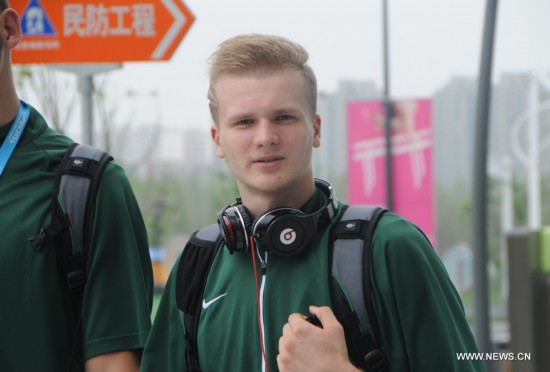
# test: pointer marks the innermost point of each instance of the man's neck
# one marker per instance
(293, 198)
(8, 110)
(9, 102)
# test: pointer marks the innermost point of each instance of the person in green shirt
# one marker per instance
(39, 327)
(258, 293)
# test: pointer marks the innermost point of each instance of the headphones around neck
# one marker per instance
(285, 231)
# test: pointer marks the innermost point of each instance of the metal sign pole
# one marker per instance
(479, 217)
(85, 75)
(387, 111)
(86, 89)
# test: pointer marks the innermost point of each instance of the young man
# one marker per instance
(260, 289)
(41, 330)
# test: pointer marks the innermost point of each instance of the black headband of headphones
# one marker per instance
(285, 231)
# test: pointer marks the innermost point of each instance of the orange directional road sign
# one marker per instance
(100, 31)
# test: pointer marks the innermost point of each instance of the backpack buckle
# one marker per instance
(76, 280)
(39, 240)
(374, 361)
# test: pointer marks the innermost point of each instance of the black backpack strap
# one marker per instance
(193, 268)
(351, 298)
(75, 194)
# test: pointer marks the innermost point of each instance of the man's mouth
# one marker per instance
(268, 159)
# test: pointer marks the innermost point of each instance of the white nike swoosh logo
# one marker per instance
(205, 304)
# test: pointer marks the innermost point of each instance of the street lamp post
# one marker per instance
(388, 112)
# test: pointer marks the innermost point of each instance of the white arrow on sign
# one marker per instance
(179, 22)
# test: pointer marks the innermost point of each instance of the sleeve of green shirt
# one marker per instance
(420, 314)
(165, 348)
(118, 295)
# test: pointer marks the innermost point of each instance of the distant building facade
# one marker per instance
(152, 151)
(159, 149)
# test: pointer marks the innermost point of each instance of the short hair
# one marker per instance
(254, 54)
(4, 5)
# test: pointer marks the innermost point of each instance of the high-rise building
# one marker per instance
(455, 106)
(454, 117)
(330, 159)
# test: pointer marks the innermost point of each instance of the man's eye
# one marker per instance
(245, 122)
(284, 117)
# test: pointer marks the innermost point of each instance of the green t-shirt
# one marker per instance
(419, 312)
(37, 317)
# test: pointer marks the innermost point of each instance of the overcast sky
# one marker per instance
(430, 41)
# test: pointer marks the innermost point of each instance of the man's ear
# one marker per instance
(215, 133)
(11, 23)
(317, 131)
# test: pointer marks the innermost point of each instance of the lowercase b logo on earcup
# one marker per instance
(288, 236)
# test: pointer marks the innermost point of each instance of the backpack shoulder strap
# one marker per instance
(350, 285)
(193, 268)
(79, 177)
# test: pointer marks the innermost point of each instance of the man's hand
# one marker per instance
(305, 347)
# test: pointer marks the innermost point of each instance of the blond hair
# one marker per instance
(255, 54)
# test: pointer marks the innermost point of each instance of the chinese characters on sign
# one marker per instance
(101, 20)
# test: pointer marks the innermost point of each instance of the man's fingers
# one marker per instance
(324, 313)
(325, 316)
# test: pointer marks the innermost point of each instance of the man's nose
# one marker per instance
(267, 133)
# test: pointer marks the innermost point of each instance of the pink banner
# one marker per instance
(412, 147)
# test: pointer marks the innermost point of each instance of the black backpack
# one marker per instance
(349, 283)
(73, 198)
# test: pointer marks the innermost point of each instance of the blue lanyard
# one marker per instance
(14, 135)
